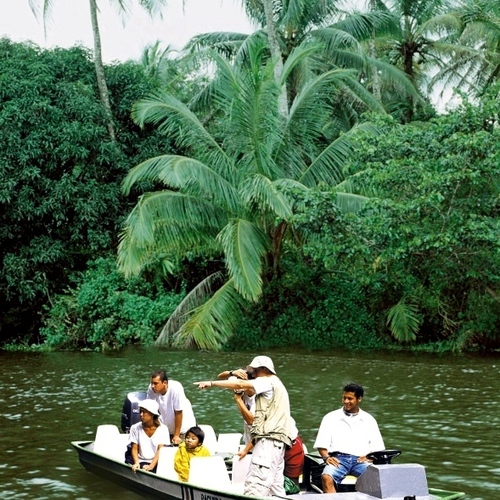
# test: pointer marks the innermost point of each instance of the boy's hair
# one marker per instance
(197, 432)
(356, 388)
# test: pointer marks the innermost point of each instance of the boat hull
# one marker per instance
(149, 485)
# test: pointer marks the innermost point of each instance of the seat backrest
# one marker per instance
(165, 467)
(210, 441)
(209, 471)
(110, 443)
(229, 442)
(240, 469)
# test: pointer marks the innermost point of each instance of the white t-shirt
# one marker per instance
(356, 435)
(294, 432)
(263, 385)
(148, 445)
(249, 402)
(174, 400)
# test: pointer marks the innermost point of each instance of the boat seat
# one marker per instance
(165, 466)
(229, 442)
(110, 443)
(211, 470)
(240, 470)
(210, 441)
(313, 468)
(347, 484)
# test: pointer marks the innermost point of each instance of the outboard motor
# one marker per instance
(130, 411)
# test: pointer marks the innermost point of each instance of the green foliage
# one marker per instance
(431, 233)
(60, 201)
(337, 41)
(309, 308)
(480, 23)
(228, 195)
(103, 310)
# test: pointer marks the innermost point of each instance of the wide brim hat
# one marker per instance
(263, 361)
(150, 405)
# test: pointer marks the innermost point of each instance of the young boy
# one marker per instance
(191, 447)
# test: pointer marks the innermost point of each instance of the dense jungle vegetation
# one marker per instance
(303, 192)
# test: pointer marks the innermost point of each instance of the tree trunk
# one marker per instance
(278, 235)
(276, 55)
(373, 54)
(99, 69)
(408, 69)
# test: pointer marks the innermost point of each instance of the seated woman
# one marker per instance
(192, 447)
(147, 437)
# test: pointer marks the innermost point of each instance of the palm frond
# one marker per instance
(311, 114)
(327, 166)
(167, 222)
(191, 301)
(188, 175)
(223, 42)
(441, 24)
(263, 192)
(210, 325)
(244, 245)
(335, 39)
(404, 321)
(252, 94)
(298, 56)
(354, 185)
(355, 91)
(350, 202)
(132, 260)
(394, 78)
(363, 25)
(153, 7)
(176, 120)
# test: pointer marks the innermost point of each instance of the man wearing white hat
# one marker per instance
(271, 430)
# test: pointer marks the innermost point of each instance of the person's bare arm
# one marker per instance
(247, 415)
(238, 384)
(154, 462)
(176, 438)
(239, 373)
(134, 451)
(246, 450)
(328, 460)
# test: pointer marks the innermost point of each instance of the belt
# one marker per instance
(339, 454)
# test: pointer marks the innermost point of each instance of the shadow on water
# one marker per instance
(442, 411)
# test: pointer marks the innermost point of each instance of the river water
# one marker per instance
(441, 411)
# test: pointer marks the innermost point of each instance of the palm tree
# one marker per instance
(421, 44)
(233, 195)
(275, 49)
(156, 60)
(152, 6)
(302, 23)
(481, 32)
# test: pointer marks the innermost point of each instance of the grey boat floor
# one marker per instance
(349, 496)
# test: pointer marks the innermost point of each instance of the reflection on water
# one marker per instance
(443, 412)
